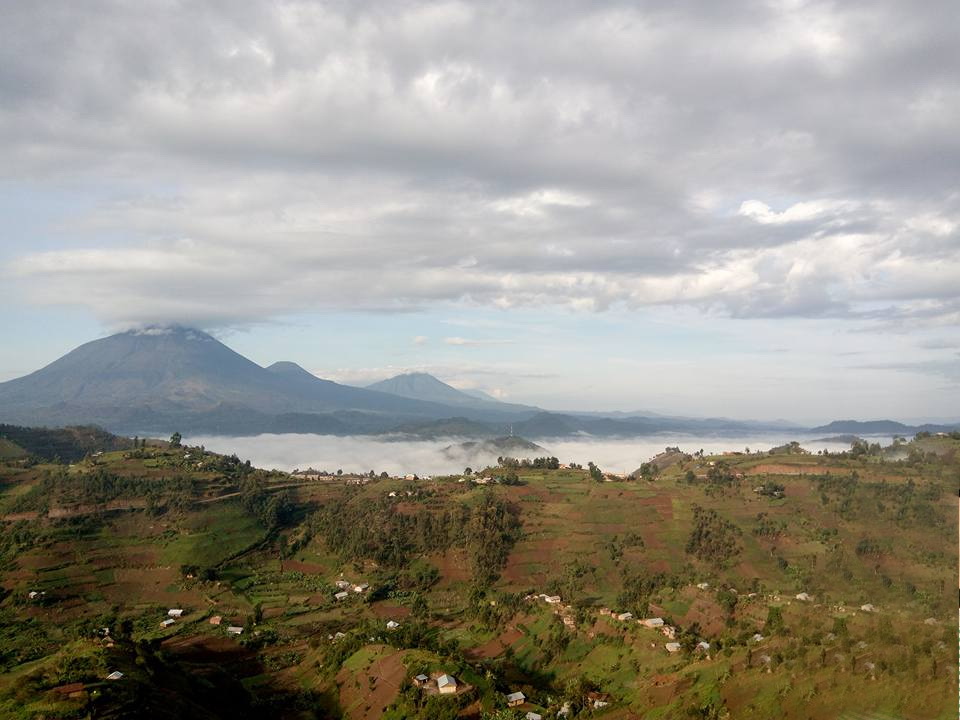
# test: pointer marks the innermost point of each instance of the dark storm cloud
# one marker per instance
(757, 160)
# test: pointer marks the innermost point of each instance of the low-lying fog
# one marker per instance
(427, 457)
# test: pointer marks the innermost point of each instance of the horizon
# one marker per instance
(747, 216)
(800, 424)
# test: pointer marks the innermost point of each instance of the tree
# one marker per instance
(774, 622)
(175, 440)
(595, 473)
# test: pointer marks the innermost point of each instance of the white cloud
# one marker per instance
(247, 162)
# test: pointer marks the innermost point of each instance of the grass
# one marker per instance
(210, 538)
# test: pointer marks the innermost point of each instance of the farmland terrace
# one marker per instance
(794, 586)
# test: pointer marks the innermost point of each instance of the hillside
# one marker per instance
(67, 444)
(719, 547)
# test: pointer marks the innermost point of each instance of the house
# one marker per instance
(216, 620)
(167, 623)
(420, 680)
(703, 646)
(533, 716)
(868, 608)
(652, 622)
(757, 637)
(175, 612)
(625, 616)
(703, 585)
(598, 700)
(672, 647)
(342, 595)
(392, 624)
(606, 611)
(343, 584)
(669, 631)
(392, 493)
(805, 597)
(515, 699)
(447, 684)
(234, 630)
(115, 675)
(569, 621)
(361, 587)
(552, 599)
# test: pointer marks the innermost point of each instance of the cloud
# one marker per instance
(420, 340)
(432, 457)
(246, 162)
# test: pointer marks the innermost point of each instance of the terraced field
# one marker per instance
(848, 532)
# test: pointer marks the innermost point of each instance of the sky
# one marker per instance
(743, 209)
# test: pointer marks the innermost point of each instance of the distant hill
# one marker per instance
(424, 386)
(449, 427)
(878, 427)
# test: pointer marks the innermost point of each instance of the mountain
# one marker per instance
(287, 369)
(423, 386)
(165, 379)
(159, 380)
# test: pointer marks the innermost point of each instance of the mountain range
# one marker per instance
(160, 380)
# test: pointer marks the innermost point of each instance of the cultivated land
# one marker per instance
(719, 547)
